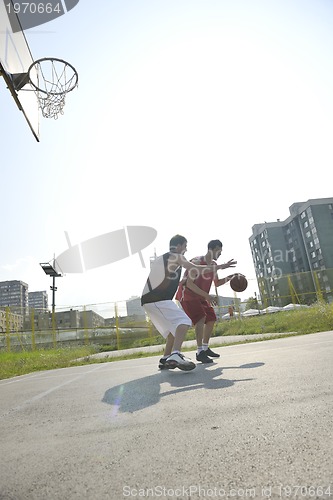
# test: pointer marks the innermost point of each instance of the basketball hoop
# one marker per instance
(52, 79)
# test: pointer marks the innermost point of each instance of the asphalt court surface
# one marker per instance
(258, 417)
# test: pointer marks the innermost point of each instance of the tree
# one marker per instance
(252, 303)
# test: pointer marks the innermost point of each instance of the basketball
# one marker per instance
(238, 283)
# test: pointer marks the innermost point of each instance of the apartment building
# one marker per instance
(293, 259)
(14, 294)
(38, 301)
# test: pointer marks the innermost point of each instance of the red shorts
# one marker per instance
(196, 309)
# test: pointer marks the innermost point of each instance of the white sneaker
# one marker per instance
(178, 360)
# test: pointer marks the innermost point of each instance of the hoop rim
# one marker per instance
(75, 75)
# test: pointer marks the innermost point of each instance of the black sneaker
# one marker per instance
(202, 356)
(162, 365)
(211, 353)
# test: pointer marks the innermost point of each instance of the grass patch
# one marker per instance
(317, 318)
(13, 364)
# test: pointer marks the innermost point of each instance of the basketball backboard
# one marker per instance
(16, 58)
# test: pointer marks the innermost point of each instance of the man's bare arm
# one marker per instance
(200, 269)
(222, 281)
(192, 286)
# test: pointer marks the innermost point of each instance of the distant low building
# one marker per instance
(10, 321)
(65, 320)
(68, 319)
(226, 305)
(90, 319)
(134, 308)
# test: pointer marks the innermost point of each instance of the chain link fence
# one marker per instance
(113, 325)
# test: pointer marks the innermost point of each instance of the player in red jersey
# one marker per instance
(193, 295)
(157, 300)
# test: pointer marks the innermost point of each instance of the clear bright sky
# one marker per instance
(195, 117)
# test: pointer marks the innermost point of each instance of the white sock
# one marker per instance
(205, 347)
(175, 352)
(199, 349)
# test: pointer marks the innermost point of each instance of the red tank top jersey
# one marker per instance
(204, 281)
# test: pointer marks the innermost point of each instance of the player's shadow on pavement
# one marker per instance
(144, 392)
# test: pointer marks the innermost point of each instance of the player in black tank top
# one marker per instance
(165, 289)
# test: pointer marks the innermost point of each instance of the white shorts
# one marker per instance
(166, 316)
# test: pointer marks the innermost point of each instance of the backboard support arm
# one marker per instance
(9, 82)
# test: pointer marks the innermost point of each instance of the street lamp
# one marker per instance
(50, 270)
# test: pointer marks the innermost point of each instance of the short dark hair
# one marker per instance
(214, 243)
(177, 240)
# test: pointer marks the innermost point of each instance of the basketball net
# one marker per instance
(52, 79)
